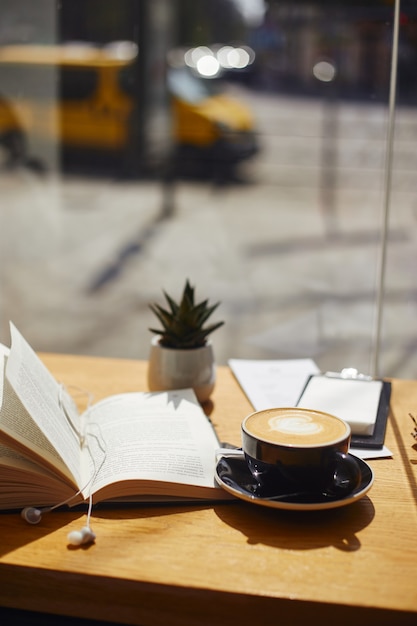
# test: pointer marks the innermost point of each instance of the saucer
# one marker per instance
(233, 475)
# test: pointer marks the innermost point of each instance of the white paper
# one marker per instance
(354, 401)
(272, 383)
(371, 453)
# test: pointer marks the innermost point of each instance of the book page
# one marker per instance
(25, 483)
(150, 436)
(4, 353)
(12, 458)
(32, 414)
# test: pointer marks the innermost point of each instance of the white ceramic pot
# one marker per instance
(170, 368)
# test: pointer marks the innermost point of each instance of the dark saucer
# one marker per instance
(234, 476)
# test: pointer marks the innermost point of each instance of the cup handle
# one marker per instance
(344, 475)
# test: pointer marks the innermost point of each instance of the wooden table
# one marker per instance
(233, 563)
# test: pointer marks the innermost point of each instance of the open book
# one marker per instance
(130, 446)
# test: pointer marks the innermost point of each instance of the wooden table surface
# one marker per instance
(232, 563)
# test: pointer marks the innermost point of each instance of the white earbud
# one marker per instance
(79, 537)
(31, 515)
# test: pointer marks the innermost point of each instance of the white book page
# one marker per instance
(150, 436)
(25, 483)
(4, 353)
(3, 358)
(34, 415)
(12, 458)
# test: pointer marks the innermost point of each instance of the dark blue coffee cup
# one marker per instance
(300, 450)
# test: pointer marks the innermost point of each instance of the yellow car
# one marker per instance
(210, 127)
(84, 97)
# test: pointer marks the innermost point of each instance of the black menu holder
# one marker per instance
(374, 440)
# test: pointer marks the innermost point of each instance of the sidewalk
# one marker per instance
(292, 261)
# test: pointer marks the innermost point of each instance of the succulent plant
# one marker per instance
(183, 322)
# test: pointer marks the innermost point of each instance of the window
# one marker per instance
(77, 84)
(286, 232)
(27, 82)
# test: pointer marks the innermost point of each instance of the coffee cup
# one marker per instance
(299, 450)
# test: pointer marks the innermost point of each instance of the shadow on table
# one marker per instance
(405, 445)
(300, 530)
(12, 539)
(297, 530)
(17, 533)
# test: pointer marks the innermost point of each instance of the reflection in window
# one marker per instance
(188, 87)
(27, 81)
(286, 239)
(77, 84)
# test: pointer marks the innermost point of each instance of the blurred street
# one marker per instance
(290, 249)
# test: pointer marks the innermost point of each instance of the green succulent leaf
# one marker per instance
(183, 323)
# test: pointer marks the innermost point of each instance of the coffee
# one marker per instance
(299, 449)
(296, 427)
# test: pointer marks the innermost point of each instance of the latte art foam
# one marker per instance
(304, 425)
(301, 427)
